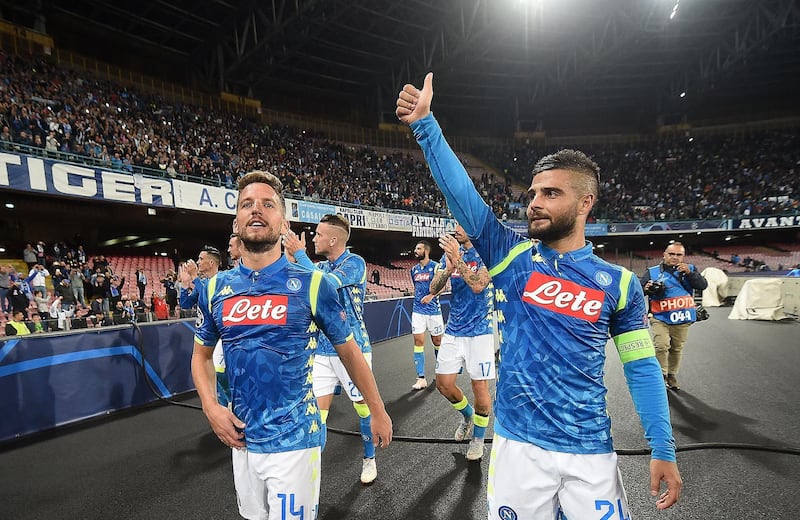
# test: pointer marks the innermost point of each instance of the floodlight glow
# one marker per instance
(683, 94)
(10, 205)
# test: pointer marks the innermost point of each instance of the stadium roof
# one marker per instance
(523, 63)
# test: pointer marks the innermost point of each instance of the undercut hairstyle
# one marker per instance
(262, 177)
(213, 253)
(336, 220)
(426, 245)
(574, 161)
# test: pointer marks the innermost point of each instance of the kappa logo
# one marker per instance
(226, 291)
(255, 310)
(564, 297)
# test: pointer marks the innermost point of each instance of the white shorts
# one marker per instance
(476, 354)
(526, 481)
(277, 486)
(219, 357)
(329, 372)
(422, 322)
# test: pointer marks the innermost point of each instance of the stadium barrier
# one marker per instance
(50, 380)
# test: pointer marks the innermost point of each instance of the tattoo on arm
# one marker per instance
(439, 281)
(476, 281)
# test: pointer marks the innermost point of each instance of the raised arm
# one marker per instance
(464, 201)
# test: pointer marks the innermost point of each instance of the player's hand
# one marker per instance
(667, 472)
(191, 269)
(183, 276)
(414, 104)
(451, 248)
(427, 299)
(292, 243)
(226, 426)
(381, 429)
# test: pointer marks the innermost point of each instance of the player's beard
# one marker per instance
(257, 245)
(418, 256)
(560, 227)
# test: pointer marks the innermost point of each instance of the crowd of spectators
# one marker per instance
(59, 111)
(679, 177)
(62, 288)
(128, 131)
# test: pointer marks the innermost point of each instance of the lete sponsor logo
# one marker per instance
(563, 297)
(255, 310)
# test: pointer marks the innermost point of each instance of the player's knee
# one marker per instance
(446, 388)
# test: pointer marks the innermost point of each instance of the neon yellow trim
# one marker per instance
(461, 404)
(634, 345)
(624, 285)
(418, 349)
(313, 291)
(515, 252)
(480, 420)
(212, 287)
(339, 283)
(200, 342)
(220, 370)
(361, 409)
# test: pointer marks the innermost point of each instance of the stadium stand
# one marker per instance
(75, 118)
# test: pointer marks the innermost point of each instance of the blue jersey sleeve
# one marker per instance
(329, 314)
(650, 400)
(302, 258)
(463, 200)
(206, 332)
(353, 271)
(642, 372)
(188, 299)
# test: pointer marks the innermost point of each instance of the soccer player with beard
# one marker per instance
(347, 272)
(557, 305)
(267, 312)
(426, 313)
(468, 341)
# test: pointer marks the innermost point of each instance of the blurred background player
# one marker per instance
(426, 313)
(348, 273)
(468, 340)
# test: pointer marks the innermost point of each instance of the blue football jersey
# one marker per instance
(422, 275)
(555, 314)
(470, 314)
(268, 321)
(349, 274)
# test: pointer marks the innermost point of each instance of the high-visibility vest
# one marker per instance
(22, 329)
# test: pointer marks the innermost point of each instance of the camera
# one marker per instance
(657, 287)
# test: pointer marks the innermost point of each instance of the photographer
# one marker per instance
(670, 287)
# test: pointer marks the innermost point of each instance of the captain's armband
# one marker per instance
(634, 345)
